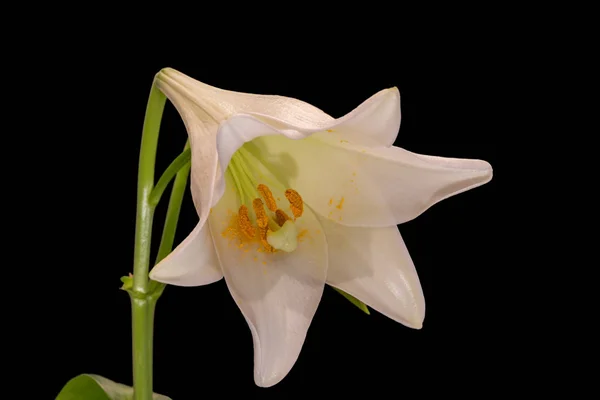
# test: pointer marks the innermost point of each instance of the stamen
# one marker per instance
(245, 224)
(266, 194)
(281, 217)
(261, 216)
(263, 224)
(296, 203)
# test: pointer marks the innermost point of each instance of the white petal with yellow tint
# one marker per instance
(368, 187)
(278, 293)
(201, 117)
(290, 110)
(193, 263)
(203, 107)
(373, 265)
(375, 122)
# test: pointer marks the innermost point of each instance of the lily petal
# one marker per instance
(203, 107)
(193, 263)
(374, 123)
(278, 293)
(290, 110)
(366, 186)
(201, 118)
(373, 265)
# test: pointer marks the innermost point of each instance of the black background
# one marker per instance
(202, 343)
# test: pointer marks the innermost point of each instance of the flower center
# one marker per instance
(263, 217)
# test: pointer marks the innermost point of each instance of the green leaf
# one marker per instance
(362, 306)
(95, 387)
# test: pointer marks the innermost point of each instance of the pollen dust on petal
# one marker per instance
(237, 232)
(232, 227)
(303, 234)
(339, 206)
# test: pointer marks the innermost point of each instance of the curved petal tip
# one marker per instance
(193, 263)
(416, 322)
(265, 381)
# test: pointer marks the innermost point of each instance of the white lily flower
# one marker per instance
(291, 199)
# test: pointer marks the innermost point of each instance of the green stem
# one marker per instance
(167, 176)
(142, 303)
(144, 292)
(143, 327)
(145, 210)
(168, 234)
(171, 219)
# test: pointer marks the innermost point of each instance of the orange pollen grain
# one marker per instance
(266, 194)
(296, 203)
(341, 204)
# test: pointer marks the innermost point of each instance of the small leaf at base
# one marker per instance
(127, 282)
(95, 387)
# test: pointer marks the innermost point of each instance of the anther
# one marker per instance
(261, 216)
(245, 224)
(266, 194)
(263, 223)
(281, 217)
(296, 203)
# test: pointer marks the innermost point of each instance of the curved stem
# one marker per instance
(179, 185)
(167, 176)
(145, 211)
(142, 304)
(171, 219)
